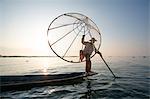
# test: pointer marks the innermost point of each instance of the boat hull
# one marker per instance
(25, 82)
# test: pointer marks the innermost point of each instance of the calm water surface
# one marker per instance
(132, 83)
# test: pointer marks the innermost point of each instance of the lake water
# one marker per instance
(132, 83)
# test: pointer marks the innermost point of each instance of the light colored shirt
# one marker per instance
(89, 48)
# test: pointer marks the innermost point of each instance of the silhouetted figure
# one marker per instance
(87, 51)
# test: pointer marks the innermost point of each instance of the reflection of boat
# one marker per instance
(23, 82)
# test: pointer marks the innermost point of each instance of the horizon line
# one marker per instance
(65, 56)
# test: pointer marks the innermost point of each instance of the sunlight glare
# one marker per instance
(45, 69)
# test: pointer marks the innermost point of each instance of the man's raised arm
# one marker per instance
(82, 41)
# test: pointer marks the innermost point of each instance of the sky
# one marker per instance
(124, 25)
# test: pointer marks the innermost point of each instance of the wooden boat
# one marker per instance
(24, 82)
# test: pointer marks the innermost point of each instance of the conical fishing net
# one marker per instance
(65, 34)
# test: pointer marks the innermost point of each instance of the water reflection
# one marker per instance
(50, 91)
(45, 69)
(92, 89)
(89, 91)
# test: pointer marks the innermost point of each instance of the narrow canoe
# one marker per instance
(24, 82)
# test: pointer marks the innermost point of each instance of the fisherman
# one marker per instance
(89, 48)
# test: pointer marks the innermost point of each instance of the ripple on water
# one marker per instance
(132, 83)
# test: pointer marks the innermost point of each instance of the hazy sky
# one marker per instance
(124, 24)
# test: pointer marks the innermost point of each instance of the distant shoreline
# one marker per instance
(35, 56)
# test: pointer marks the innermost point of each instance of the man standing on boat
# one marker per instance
(89, 48)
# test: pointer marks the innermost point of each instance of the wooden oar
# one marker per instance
(106, 64)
